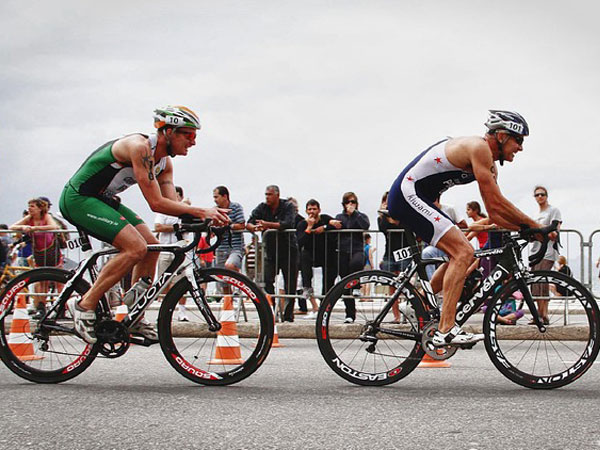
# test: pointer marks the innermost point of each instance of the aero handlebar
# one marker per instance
(529, 235)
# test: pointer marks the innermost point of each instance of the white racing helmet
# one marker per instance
(176, 116)
(511, 122)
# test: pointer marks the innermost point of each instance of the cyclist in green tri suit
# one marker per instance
(88, 201)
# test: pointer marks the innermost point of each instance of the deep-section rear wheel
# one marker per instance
(42, 351)
(358, 352)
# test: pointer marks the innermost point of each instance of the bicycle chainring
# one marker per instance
(437, 353)
(113, 338)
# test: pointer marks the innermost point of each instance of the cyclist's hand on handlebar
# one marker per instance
(219, 216)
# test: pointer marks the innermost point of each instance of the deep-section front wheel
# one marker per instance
(45, 351)
(226, 356)
(358, 350)
(543, 359)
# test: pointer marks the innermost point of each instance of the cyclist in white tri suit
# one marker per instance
(450, 162)
(88, 202)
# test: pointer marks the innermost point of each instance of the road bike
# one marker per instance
(373, 352)
(222, 342)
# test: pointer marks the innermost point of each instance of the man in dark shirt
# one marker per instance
(273, 217)
(314, 251)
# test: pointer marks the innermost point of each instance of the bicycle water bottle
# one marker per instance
(136, 291)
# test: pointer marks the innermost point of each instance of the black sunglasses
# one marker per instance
(518, 139)
(350, 201)
(540, 194)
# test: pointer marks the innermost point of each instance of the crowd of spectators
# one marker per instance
(294, 245)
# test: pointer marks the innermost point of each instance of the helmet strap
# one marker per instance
(500, 150)
(168, 139)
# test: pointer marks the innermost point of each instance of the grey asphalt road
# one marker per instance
(295, 401)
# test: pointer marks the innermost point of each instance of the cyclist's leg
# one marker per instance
(112, 223)
(132, 249)
(147, 266)
(456, 246)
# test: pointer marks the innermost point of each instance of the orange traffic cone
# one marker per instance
(429, 363)
(121, 312)
(276, 343)
(19, 340)
(228, 349)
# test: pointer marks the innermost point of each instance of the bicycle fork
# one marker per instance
(199, 297)
(530, 303)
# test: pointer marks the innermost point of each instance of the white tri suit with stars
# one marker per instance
(412, 195)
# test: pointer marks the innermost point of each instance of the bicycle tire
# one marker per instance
(230, 355)
(560, 355)
(348, 356)
(58, 358)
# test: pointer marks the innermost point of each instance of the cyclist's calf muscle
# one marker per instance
(133, 249)
(456, 246)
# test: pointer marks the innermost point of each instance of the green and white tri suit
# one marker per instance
(88, 200)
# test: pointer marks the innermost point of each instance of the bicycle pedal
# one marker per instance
(467, 346)
(142, 341)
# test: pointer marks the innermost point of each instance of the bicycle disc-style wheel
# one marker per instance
(361, 361)
(30, 349)
(229, 355)
(556, 357)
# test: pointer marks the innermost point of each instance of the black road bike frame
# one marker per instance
(509, 265)
(174, 269)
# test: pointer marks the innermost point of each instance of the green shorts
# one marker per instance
(95, 217)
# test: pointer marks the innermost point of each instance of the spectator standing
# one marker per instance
(281, 248)
(547, 213)
(394, 239)
(369, 251)
(312, 243)
(163, 225)
(206, 259)
(5, 243)
(350, 256)
(24, 247)
(562, 267)
(61, 237)
(479, 229)
(302, 309)
(231, 255)
(476, 228)
(46, 251)
(37, 222)
(393, 232)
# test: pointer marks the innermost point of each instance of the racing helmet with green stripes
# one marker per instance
(176, 116)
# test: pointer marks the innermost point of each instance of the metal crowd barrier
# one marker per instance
(50, 253)
(573, 248)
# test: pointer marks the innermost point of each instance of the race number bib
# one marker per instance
(402, 253)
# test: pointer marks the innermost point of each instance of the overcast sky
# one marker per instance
(319, 97)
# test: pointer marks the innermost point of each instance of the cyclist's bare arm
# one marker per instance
(501, 211)
(142, 162)
(165, 181)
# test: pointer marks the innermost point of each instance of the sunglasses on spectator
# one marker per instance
(540, 194)
(350, 201)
